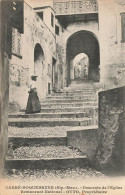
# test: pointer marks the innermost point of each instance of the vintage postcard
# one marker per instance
(62, 97)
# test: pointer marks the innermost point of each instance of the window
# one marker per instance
(123, 26)
(40, 14)
(52, 20)
(16, 42)
(56, 30)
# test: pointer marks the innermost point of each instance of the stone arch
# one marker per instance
(77, 29)
(83, 42)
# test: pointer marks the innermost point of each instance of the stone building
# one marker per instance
(86, 29)
(44, 41)
(33, 52)
(54, 36)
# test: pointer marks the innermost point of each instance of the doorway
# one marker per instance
(53, 73)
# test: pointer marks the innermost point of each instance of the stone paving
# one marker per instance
(48, 175)
(44, 152)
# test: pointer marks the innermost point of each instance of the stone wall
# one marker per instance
(4, 94)
(60, 55)
(4, 109)
(111, 141)
(21, 69)
(86, 140)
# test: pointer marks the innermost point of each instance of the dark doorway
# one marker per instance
(49, 88)
(38, 58)
(39, 64)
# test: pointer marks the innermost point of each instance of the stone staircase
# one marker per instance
(39, 141)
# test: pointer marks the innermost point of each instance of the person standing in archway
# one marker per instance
(33, 104)
(79, 70)
(86, 72)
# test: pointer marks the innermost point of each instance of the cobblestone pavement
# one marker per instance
(44, 152)
(31, 175)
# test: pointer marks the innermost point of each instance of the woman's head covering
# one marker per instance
(33, 77)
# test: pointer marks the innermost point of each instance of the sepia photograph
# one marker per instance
(62, 97)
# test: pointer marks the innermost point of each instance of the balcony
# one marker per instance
(75, 7)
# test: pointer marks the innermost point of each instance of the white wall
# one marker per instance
(47, 19)
(112, 50)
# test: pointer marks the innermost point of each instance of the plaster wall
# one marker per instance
(112, 50)
(35, 31)
(47, 19)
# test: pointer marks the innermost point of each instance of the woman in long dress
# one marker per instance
(33, 104)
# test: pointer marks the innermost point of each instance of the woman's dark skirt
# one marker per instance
(33, 104)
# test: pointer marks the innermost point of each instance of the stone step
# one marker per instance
(45, 132)
(71, 98)
(53, 115)
(36, 137)
(17, 142)
(71, 93)
(81, 128)
(68, 101)
(86, 109)
(49, 157)
(78, 86)
(50, 122)
(30, 132)
(83, 92)
(74, 90)
(87, 97)
(67, 105)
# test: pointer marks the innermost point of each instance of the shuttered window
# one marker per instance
(16, 42)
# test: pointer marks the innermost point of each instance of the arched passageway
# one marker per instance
(39, 63)
(79, 67)
(83, 42)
